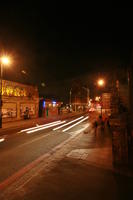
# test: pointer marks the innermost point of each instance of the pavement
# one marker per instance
(81, 169)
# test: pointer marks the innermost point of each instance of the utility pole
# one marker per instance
(4, 60)
(88, 94)
(70, 99)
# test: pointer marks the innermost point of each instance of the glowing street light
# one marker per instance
(101, 82)
(4, 60)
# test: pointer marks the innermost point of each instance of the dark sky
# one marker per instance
(58, 42)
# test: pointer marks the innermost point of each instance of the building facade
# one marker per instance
(49, 108)
(17, 99)
(106, 103)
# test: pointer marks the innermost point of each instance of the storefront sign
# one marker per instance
(13, 91)
(18, 90)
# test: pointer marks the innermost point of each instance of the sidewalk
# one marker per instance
(100, 153)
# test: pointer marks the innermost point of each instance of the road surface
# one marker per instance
(25, 146)
(47, 164)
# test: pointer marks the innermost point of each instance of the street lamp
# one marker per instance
(101, 83)
(4, 60)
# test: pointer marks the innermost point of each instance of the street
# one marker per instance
(75, 164)
(21, 148)
(66, 96)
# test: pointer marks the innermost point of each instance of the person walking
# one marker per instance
(101, 123)
(95, 126)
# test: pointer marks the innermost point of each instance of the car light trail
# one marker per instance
(39, 126)
(75, 124)
(48, 126)
(68, 123)
(2, 139)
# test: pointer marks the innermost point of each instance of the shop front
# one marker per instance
(19, 101)
(49, 108)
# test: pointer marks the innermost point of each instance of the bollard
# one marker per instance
(47, 112)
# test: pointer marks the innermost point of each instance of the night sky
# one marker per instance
(55, 43)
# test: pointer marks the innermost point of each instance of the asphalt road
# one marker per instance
(59, 176)
(22, 148)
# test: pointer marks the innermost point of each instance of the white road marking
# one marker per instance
(75, 124)
(50, 160)
(68, 123)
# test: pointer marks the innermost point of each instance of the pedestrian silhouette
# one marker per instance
(95, 126)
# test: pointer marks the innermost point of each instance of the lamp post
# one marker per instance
(101, 83)
(4, 60)
(70, 100)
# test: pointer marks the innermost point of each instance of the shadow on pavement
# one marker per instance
(72, 179)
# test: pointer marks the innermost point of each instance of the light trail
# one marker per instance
(42, 128)
(39, 126)
(75, 124)
(68, 123)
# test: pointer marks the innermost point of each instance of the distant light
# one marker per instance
(97, 98)
(44, 104)
(89, 103)
(43, 84)
(2, 139)
(54, 103)
(24, 72)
